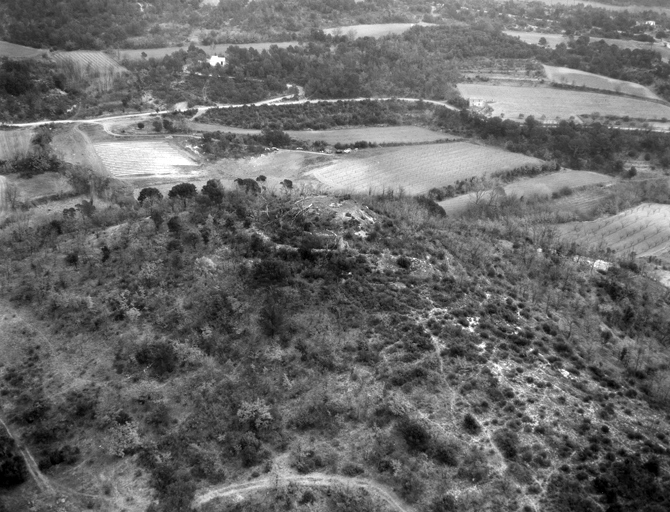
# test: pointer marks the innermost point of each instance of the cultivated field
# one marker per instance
(549, 103)
(539, 186)
(14, 143)
(90, 60)
(580, 202)
(42, 185)
(555, 39)
(583, 79)
(217, 49)
(377, 30)
(644, 230)
(16, 51)
(416, 169)
(142, 158)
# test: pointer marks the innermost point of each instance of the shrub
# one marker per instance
(13, 469)
(471, 425)
(507, 442)
(149, 193)
(159, 356)
(445, 503)
(352, 470)
(415, 435)
(404, 262)
(445, 452)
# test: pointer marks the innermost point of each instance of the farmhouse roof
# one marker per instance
(214, 60)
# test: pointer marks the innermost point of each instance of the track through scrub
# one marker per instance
(312, 480)
(3, 194)
(40, 480)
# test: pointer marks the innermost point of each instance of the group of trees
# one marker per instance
(318, 116)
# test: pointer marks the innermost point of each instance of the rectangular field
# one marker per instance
(14, 143)
(644, 230)
(376, 30)
(578, 78)
(539, 186)
(142, 158)
(16, 51)
(90, 61)
(550, 104)
(416, 169)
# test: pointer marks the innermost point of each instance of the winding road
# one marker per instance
(200, 110)
(311, 480)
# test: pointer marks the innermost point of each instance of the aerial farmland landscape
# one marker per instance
(335, 255)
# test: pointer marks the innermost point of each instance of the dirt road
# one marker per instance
(312, 480)
(40, 480)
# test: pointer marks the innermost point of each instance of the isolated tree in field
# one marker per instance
(214, 191)
(140, 125)
(158, 125)
(42, 139)
(149, 193)
(542, 41)
(183, 191)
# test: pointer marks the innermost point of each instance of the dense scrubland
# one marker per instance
(219, 332)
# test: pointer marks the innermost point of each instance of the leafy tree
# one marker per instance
(149, 193)
(183, 191)
(214, 191)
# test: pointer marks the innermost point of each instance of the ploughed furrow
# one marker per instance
(141, 158)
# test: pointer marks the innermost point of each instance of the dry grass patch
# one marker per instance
(578, 78)
(17, 51)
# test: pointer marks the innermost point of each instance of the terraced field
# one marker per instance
(14, 143)
(416, 169)
(644, 230)
(550, 103)
(90, 60)
(142, 159)
(578, 78)
(540, 186)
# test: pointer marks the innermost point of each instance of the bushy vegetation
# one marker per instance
(247, 307)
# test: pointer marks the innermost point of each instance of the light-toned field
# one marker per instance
(16, 51)
(416, 169)
(511, 101)
(14, 143)
(217, 49)
(377, 30)
(581, 201)
(143, 158)
(583, 79)
(555, 39)
(644, 230)
(538, 186)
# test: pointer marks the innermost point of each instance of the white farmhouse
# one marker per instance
(478, 103)
(214, 60)
(650, 24)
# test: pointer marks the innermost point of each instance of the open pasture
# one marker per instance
(16, 51)
(376, 30)
(14, 143)
(644, 230)
(416, 169)
(578, 78)
(599, 5)
(142, 158)
(538, 186)
(549, 104)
